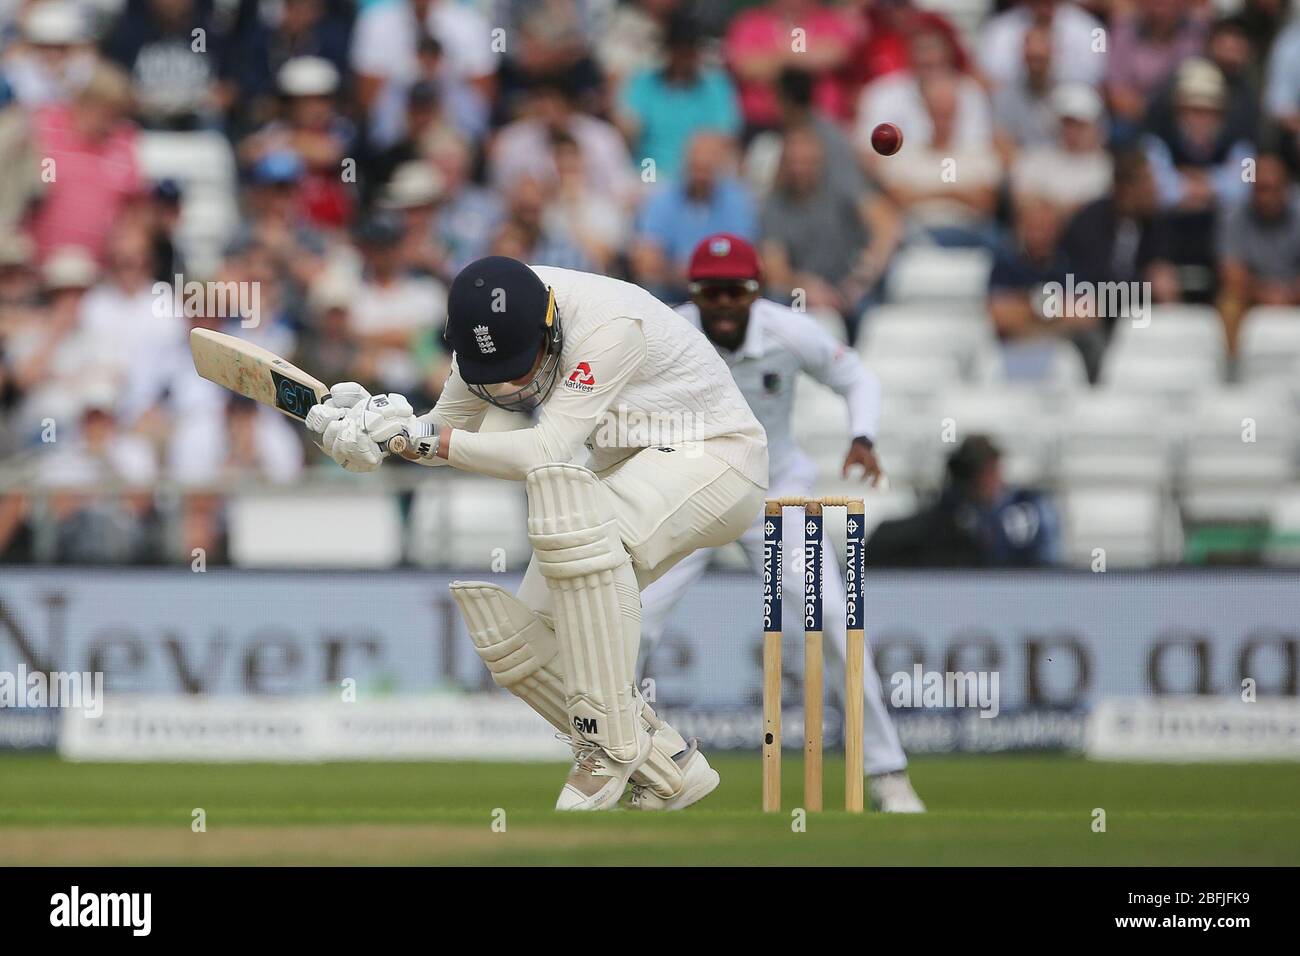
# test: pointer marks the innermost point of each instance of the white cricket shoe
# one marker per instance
(595, 781)
(893, 793)
(698, 781)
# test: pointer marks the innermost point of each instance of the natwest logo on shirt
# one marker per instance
(581, 379)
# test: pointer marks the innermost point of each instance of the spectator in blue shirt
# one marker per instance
(662, 107)
(707, 199)
(1026, 286)
(1197, 163)
(1282, 85)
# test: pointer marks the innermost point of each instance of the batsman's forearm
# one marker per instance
(510, 455)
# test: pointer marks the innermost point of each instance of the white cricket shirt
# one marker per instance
(633, 374)
(779, 345)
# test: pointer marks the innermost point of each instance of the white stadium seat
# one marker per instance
(1020, 419)
(1240, 486)
(821, 429)
(1052, 363)
(349, 528)
(456, 520)
(203, 162)
(1110, 436)
(930, 273)
(1124, 421)
(901, 449)
(1239, 450)
(897, 333)
(1128, 523)
(1173, 330)
(188, 157)
(1284, 528)
(460, 522)
(880, 506)
(1167, 374)
(991, 408)
(1097, 467)
(1237, 414)
(966, 310)
(827, 456)
(916, 336)
(1269, 346)
(819, 417)
(914, 464)
(915, 378)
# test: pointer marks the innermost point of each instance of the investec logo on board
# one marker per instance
(852, 580)
(812, 589)
(771, 571)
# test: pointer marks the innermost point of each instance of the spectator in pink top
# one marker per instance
(762, 42)
(1147, 45)
(90, 172)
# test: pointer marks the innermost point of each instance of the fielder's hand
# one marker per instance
(353, 427)
(863, 455)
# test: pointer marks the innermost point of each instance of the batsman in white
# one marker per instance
(768, 346)
(677, 462)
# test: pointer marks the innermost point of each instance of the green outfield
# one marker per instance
(985, 811)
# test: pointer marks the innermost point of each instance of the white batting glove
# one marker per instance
(354, 426)
(339, 433)
(388, 415)
(341, 398)
(347, 395)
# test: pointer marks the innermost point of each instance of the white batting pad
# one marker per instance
(597, 605)
(521, 652)
(516, 645)
(660, 772)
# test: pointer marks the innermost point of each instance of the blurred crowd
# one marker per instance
(379, 145)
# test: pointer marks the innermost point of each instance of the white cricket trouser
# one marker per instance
(670, 503)
(882, 752)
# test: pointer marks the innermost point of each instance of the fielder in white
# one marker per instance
(677, 462)
(768, 346)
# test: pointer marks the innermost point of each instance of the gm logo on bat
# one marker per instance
(294, 397)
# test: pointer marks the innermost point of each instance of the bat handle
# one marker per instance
(402, 447)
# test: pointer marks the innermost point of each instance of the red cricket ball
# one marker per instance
(886, 139)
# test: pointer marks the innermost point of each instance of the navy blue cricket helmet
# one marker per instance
(500, 317)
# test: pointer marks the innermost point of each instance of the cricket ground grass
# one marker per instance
(1004, 810)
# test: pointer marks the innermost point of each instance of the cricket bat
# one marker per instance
(263, 376)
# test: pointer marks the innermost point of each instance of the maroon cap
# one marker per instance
(726, 257)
